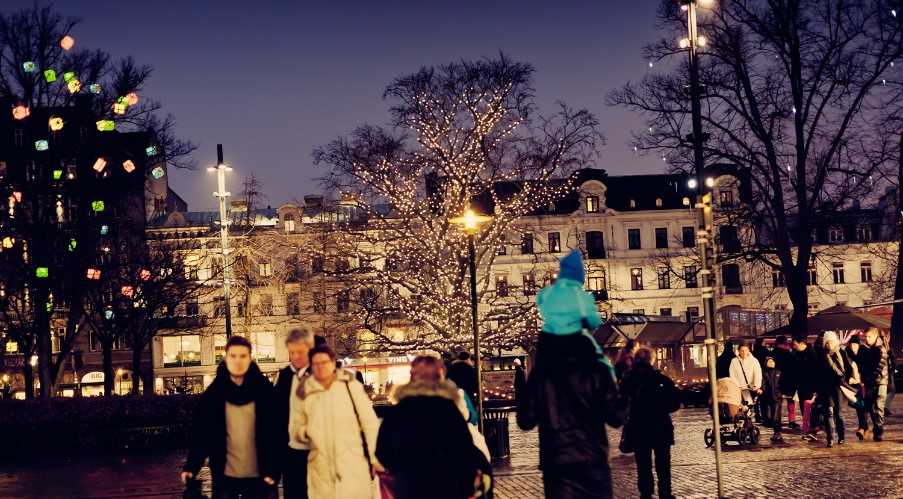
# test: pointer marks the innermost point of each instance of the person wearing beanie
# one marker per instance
(564, 305)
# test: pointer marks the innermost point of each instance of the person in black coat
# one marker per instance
(805, 377)
(424, 442)
(293, 464)
(784, 362)
(834, 372)
(771, 397)
(234, 428)
(464, 375)
(652, 397)
(723, 363)
(571, 395)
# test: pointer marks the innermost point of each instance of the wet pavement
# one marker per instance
(795, 469)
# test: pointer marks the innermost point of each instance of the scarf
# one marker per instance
(242, 394)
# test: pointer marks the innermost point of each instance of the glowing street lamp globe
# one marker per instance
(470, 221)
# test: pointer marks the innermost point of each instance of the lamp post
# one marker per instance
(224, 222)
(704, 213)
(470, 222)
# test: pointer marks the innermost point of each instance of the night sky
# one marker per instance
(272, 80)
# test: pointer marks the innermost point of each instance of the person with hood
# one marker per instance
(835, 372)
(425, 442)
(747, 373)
(806, 382)
(338, 424)
(771, 397)
(625, 358)
(723, 363)
(571, 391)
(876, 372)
(235, 427)
(651, 397)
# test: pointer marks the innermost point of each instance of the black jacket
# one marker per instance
(783, 360)
(570, 395)
(465, 376)
(771, 384)
(284, 395)
(806, 372)
(831, 375)
(652, 397)
(209, 434)
(876, 368)
(424, 442)
(723, 363)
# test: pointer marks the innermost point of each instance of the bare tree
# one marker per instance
(792, 94)
(461, 135)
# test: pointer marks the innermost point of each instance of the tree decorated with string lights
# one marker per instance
(792, 95)
(82, 151)
(461, 135)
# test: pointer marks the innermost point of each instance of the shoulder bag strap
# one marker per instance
(740, 362)
(361, 427)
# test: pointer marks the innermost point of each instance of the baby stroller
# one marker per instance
(735, 417)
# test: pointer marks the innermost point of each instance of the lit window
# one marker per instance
(636, 279)
(837, 270)
(865, 271)
(265, 346)
(592, 204)
(835, 234)
(266, 269)
(288, 223)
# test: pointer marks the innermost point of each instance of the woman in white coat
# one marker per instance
(338, 423)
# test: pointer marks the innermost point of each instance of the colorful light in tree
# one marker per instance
(57, 174)
(99, 165)
(104, 230)
(108, 314)
(73, 244)
(21, 112)
(119, 106)
(128, 166)
(151, 150)
(94, 88)
(69, 76)
(8, 242)
(158, 172)
(74, 86)
(67, 42)
(41, 145)
(106, 125)
(97, 206)
(93, 274)
(56, 123)
(29, 66)
(42, 272)
(127, 291)
(145, 275)
(49, 75)
(131, 99)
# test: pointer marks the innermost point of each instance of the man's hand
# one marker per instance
(185, 476)
(269, 481)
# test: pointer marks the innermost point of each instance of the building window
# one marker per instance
(592, 204)
(633, 239)
(501, 250)
(689, 237)
(240, 306)
(865, 271)
(265, 269)
(664, 278)
(690, 276)
(95, 346)
(661, 237)
(501, 286)
(264, 346)
(288, 223)
(726, 198)
(293, 304)
(596, 282)
(529, 283)
(658, 202)
(730, 241)
(692, 313)
(317, 264)
(316, 302)
(192, 308)
(181, 351)
(265, 305)
(835, 234)
(730, 278)
(812, 276)
(665, 312)
(777, 279)
(632, 203)
(639, 311)
(219, 347)
(554, 242)
(595, 245)
(864, 233)
(837, 269)
(526, 243)
(636, 279)
(342, 301)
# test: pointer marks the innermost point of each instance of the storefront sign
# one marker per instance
(93, 377)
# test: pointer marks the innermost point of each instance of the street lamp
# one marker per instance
(692, 43)
(221, 193)
(119, 375)
(470, 222)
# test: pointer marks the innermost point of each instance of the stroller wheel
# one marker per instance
(744, 437)
(709, 437)
(755, 434)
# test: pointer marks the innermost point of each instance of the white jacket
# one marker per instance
(336, 467)
(753, 375)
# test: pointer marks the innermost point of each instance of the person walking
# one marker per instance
(294, 461)
(835, 372)
(520, 379)
(425, 442)
(876, 373)
(856, 355)
(338, 424)
(747, 373)
(805, 379)
(625, 358)
(651, 397)
(723, 363)
(771, 398)
(784, 363)
(463, 374)
(571, 391)
(234, 426)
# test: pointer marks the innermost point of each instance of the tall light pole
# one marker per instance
(224, 222)
(705, 229)
(470, 222)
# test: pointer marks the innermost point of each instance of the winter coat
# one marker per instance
(464, 375)
(337, 465)
(834, 370)
(564, 306)
(651, 397)
(805, 372)
(771, 385)
(623, 364)
(747, 373)
(723, 363)
(876, 364)
(426, 443)
(570, 395)
(783, 360)
(209, 434)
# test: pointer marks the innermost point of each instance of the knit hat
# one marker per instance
(854, 339)
(572, 267)
(830, 336)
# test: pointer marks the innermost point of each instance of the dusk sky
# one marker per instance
(272, 80)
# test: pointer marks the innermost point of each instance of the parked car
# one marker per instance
(694, 392)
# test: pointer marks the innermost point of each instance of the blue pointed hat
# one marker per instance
(572, 267)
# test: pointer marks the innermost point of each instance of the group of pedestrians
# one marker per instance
(819, 379)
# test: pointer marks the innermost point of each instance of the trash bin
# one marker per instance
(495, 429)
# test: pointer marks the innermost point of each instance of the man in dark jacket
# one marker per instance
(856, 355)
(464, 374)
(771, 397)
(806, 368)
(876, 373)
(570, 395)
(723, 363)
(234, 428)
(784, 362)
(652, 397)
(294, 461)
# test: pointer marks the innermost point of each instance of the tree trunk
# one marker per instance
(799, 298)
(28, 374)
(108, 376)
(42, 332)
(896, 325)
